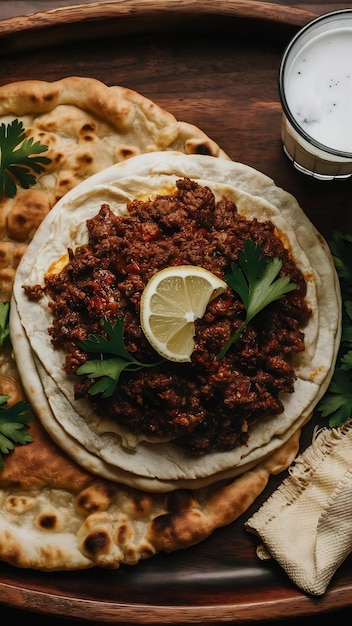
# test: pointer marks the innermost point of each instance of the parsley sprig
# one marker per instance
(13, 425)
(336, 404)
(114, 358)
(4, 322)
(13, 419)
(255, 280)
(18, 158)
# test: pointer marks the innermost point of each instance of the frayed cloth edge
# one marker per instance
(302, 470)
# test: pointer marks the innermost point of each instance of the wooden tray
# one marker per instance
(213, 64)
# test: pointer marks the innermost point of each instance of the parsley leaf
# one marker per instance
(4, 322)
(346, 361)
(336, 404)
(255, 281)
(13, 425)
(18, 158)
(108, 369)
(340, 246)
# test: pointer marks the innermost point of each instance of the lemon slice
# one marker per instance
(171, 302)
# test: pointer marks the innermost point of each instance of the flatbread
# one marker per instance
(56, 515)
(64, 513)
(165, 466)
(65, 518)
(87, 126)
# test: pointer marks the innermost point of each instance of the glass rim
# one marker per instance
(284, 103)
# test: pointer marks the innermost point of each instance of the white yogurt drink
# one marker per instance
(316, 94)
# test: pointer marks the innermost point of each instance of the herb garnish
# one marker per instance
(13, 420)
(18, 158)
(108, 369)
(13, 425)
(336, 404)
(254, 280)
(4, 322)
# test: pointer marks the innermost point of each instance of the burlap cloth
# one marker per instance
(306, 524)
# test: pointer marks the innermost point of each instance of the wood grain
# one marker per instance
(126, 16)
(214, 65)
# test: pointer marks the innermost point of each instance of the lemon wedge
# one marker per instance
(171, 302)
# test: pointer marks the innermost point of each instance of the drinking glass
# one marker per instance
(315, 88)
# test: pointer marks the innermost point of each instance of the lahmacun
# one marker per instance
(100, 440)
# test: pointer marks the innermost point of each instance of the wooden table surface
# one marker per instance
(17, 8)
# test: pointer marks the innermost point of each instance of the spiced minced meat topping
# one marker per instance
(207, 404)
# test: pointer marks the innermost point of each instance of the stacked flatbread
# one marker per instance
(75, 498)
